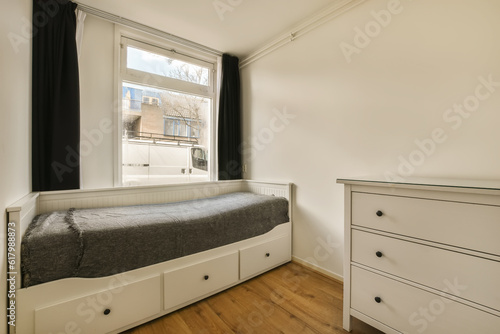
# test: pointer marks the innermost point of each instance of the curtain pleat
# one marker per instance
(55, 98)
(229, 125)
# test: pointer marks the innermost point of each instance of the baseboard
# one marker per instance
(318, 269)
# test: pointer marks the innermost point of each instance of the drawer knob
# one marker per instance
(107, 311)
(379, 254)
(380, 213)
(268, 254)
(378, 299)
(206, 277)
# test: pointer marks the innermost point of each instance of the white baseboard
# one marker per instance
(318, 269)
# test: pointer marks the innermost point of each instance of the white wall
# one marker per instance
(97, 103)
(364, 117)
(15, 139)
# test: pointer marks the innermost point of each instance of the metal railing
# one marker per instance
(158, 138)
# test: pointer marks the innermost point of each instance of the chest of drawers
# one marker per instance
(422, 256)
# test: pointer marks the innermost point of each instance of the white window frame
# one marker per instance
(170, 49)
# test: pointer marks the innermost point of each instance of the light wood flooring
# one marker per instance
(288, 299)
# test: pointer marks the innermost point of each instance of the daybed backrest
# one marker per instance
(123, 196)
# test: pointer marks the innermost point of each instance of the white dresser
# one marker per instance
(423, 255)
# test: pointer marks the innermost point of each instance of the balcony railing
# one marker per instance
(157, 138)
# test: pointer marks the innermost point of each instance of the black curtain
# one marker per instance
(55, 97)
(229, 126)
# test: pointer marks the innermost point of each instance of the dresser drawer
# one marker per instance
(261, 257)
(102, 312)
(195, 281)
(470, 226)
(437, 268)
(412, 310)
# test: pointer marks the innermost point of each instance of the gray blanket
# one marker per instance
(105, 241)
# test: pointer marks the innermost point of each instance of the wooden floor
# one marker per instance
(288, 299)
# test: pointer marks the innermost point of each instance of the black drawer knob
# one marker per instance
(268, 254)
(378, 299)
(107, 311)
(206, 277)
(379, 254)
(380, 213)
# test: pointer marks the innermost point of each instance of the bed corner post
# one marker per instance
(19, 216)
(13, 272)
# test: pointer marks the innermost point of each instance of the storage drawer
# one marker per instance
(412, 310)
(431, 266)
(261, 257)
(470, 226)
(196, 281)
(102, 312)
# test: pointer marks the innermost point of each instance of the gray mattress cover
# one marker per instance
(100, 242)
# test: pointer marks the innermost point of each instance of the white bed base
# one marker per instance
(78, 305)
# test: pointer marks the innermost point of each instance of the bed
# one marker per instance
(103, 261)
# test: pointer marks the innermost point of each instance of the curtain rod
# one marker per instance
(139, 26)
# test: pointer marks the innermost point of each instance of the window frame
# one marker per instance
(171, 49)
(163, 82)
(175, 124)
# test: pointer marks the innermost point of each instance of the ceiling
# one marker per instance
(238, 27)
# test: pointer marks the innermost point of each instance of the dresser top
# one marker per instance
(466, 185)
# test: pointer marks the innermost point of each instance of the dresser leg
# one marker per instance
(347, 322)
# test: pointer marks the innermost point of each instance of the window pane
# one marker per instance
(159, 134)
(182, 129)
(171, 68)
(169, 127)
(195, 129)
(131, 99)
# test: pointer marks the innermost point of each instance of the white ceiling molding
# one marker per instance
(325, 15)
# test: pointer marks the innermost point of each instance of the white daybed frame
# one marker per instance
(115, 303)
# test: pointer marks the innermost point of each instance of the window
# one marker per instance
(168, 67)
(166, 114)
(182, 127)
(150, 100)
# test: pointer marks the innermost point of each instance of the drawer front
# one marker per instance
(455, 273)
(198, 280)
(411, 310)
(126, 304)
(261, 257)
(470, 226)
